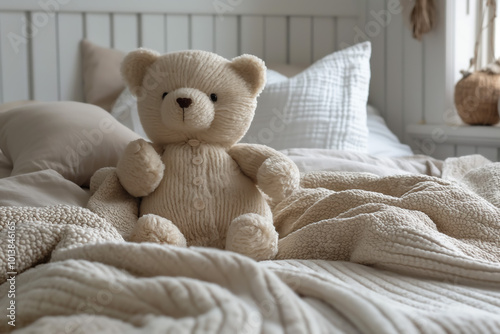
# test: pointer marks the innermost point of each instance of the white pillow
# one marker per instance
(125, 111)
(321, 107)
(383, 142)
(274, 77)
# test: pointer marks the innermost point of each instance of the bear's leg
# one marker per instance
(153, 228)
(253, 235)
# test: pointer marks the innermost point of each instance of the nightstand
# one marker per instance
(442, 141)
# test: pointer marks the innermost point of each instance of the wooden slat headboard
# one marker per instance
(46, 65)
(407, 84)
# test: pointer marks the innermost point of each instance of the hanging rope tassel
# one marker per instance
(422, 17)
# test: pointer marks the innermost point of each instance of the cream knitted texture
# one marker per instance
(276, 175)
(204, 190)
(477, 173)
(414, 224)
(250, 157)
(111, 202)
(39, 231)
(199, 72)
(196, 106)
(140, 169)
(148, 288)
(479, 181)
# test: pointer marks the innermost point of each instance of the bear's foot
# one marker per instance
(153, 228)
(254, 236)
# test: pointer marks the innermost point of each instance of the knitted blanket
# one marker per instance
(418, 225)
(85, 278)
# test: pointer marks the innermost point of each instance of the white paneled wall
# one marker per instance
(202, 32)
(125, 32)
(226, 31)
(98, 28)
(276, 42)
(412, 81)
(324, 42)
(70, 32)
(177, 32)
(47, 66)
(252, 35)
(408, 76)
(15, 62)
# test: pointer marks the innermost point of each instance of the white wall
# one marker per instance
(39, 46)
(410, 79)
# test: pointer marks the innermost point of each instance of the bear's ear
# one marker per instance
(135, 65)
(253, 70)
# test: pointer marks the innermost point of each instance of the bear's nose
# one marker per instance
(184, 102)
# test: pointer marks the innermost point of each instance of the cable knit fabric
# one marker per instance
(427, 253)
(203, 210)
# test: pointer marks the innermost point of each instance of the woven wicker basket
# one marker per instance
(476, 98)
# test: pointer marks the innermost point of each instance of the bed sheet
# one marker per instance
(308, 160)
(39, 189)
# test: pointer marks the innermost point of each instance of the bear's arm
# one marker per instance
(272, 171)
(140, 168)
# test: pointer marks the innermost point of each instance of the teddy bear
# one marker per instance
(199, 186)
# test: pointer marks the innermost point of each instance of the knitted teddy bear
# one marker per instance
(198, 186)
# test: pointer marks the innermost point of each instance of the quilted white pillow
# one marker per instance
(321, 107)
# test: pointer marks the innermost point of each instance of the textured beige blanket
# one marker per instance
(410, 224)
(433, 247)
(131, 288)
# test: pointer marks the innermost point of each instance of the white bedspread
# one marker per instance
(309, 160)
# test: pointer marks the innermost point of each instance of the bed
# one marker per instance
(376, 240)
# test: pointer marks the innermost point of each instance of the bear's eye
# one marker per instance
(164, 94)
(213, 97)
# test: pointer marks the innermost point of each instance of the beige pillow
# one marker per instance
(5, 166)
(14, 104)
(102, 80)
(285, 69)
(75, 139)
